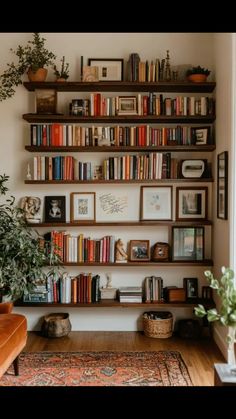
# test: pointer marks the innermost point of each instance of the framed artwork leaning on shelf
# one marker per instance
(46, 101)
(191, 288)
(187, 243)
(201, 135)
(222, 185)
(191, 203)
(127, 105)
(82, 207)
(139, 250)
(109, 69)
(55, 209)
(156, 203)
(116, 205)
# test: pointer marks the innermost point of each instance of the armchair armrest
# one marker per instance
(5, 308)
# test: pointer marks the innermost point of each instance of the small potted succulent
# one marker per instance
(197, 74)
(63, 73)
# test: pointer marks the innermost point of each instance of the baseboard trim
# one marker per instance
(220, 341)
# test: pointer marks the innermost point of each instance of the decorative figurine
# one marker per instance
(167, 76)
(32, 206)
(120, 253)
(28, 176)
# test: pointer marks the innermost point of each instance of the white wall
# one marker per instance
(14, 134)
(224, 142)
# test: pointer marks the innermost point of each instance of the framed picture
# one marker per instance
(109, 69)
(55, 209)
(187, 243)
(222, 185)
(156, 203)
(191, 203)
(82, 207)
(127, 105)
(193, 168)
(114, 205)
(191, 288)
(201, 135)
(46, 101)
(139, 250)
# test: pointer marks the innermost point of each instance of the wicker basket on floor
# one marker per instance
(160, 324)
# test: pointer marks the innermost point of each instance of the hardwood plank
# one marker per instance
(198, 355)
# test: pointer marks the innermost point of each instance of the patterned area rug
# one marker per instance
(161, 368)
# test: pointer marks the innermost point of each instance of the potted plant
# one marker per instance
(63, 73)
(226, 315)
(32, 60)
(198, 74)
(22, 255)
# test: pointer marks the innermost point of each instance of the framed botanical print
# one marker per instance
(156, 203)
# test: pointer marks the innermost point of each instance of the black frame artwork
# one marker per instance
(222, 185)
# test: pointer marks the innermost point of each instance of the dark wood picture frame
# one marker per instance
(191, 203)
(83, 209)
(191, 288)
(222, 185)
(103, 68)
(139, 250)
(187, 243)
(201, 135)
(55, 209)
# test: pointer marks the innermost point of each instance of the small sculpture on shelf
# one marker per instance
(28, 175)
(120, 253)
(32, 207)
(63, 73)
(108, 292)
(167, 75)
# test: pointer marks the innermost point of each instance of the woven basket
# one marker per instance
(160, 328)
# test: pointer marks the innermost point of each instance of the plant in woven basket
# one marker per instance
(22, 255)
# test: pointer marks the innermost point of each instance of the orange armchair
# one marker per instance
(13, 337)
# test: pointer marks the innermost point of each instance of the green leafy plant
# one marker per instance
(226, 315)
(63, 73)
(198, 70)
(30, 57)
(23, 254)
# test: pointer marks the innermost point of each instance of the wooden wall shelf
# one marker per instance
(113, 149)
(124, 223)
(101, 181)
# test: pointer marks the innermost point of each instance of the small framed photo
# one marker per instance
(156, 203)
(127, 105)
(109, 69)
(82, 207)
(139, 250)
(222, 185)
(191, 288)
(55, 209)
(46, 101)
(187, 243)
(193, 168)
(201, 135)
(191, 203)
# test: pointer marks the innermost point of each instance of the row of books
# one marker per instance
(151, 104)
(153, 289)
(81, 249)
(138, 70)
(83, 288)
(142, 135)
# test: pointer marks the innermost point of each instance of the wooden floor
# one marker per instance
(199, 355)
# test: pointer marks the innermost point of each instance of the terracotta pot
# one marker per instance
(61, 79)
(38, 75)
(197, 78)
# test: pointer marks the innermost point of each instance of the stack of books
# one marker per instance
(130, 295)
